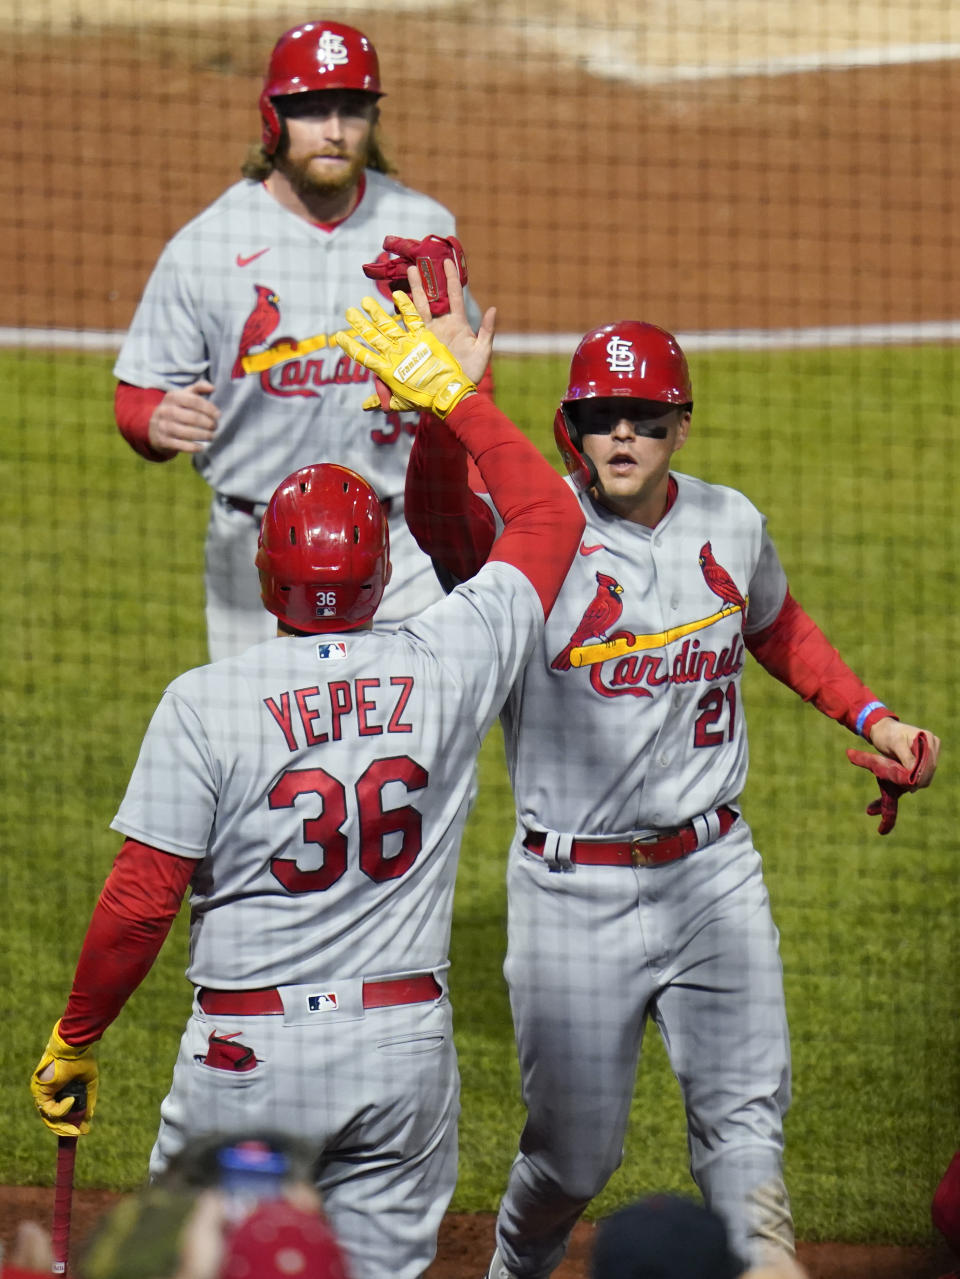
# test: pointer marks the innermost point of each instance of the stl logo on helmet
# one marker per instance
(331, 51)
(620, 356)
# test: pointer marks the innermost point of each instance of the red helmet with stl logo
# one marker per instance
(632, 359)
(324, 550)
(313, 57)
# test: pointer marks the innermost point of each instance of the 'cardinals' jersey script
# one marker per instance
(638, 721)
(311, 794)
(248, 294)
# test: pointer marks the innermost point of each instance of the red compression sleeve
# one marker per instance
(449, 522)
(542, 518)
(130, 922)
(133, 408)
(795, 650)
(485, 386)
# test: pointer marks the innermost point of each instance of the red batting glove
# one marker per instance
(428, 257)
(894, 779)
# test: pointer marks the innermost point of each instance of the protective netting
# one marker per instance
(775, 184)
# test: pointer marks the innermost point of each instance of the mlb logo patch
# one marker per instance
(327, 1002)
(333, 652)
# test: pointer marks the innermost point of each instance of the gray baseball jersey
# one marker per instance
(659, 728)
(629, 721)
(248, 295)
(322, 784)
(248, 279)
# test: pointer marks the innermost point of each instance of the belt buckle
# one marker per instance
(638, 855)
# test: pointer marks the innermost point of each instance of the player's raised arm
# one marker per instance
(542, 520)
(449, 521)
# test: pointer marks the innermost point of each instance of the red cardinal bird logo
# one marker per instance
(719, 580)
(601, 613)
(260, 323)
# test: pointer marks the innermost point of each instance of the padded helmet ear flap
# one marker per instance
(581, 469)
(272, 124)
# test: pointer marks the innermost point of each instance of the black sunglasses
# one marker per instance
(649, 418)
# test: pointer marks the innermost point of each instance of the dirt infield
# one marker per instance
(789, 200)
(466, 1243)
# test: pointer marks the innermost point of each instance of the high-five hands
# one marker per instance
(421, 366)
(428, 257)
(448, 349)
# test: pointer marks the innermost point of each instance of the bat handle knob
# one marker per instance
(77, 1089)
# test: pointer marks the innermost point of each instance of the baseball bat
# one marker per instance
(63, 1191)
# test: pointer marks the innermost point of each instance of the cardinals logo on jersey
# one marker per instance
(600, 615)
(719, 580)
(259, 325)
(622, 663)
(299, 367)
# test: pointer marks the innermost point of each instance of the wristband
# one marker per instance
(867, 710)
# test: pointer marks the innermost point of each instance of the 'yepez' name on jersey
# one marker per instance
(310, 793)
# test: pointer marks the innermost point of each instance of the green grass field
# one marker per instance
(853, 456)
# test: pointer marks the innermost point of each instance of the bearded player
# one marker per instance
(634, 890)
(312, 793)
(229, 357)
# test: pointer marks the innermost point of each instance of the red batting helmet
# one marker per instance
(631, 359)
(314, 56)
(324, 550)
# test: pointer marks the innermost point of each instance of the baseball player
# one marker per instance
(229, 356)
(634, 889)
(312, 793)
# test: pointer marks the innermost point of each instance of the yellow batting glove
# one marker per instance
(70, 1066)
(418, 369)
(385, 399)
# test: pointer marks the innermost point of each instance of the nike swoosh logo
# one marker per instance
(242, 261)
(589, 550)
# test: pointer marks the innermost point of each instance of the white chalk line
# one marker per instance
(839, 335)
(610, 66)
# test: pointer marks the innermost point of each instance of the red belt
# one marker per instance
(376, 994)
(651, 850)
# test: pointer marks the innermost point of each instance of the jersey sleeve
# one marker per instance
(171, 799)
(768, 585)
(165, 346)
(484, 633)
